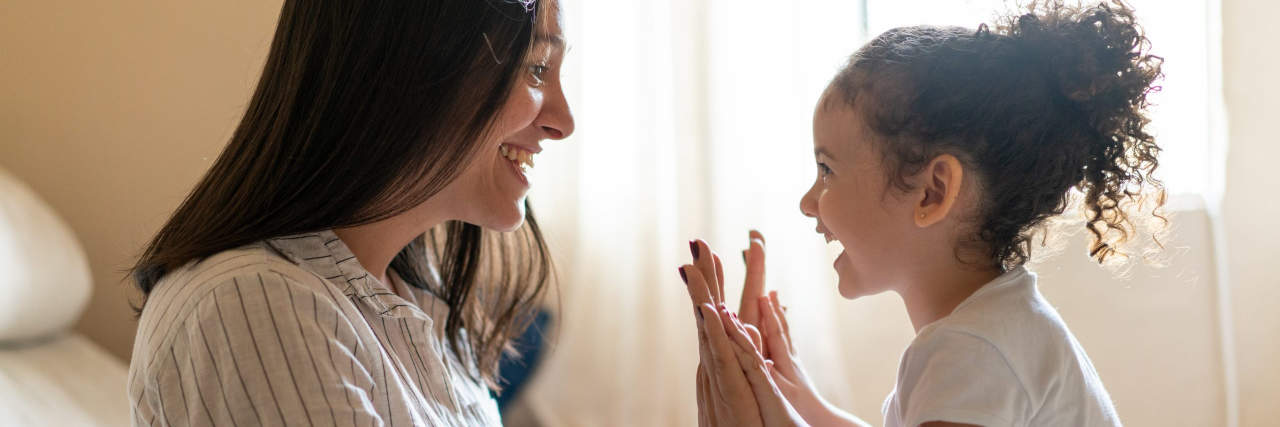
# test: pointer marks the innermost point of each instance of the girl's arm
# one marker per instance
(789, 374)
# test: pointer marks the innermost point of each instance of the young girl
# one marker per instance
(939, 151)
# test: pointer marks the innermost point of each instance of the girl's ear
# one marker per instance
(942, 178)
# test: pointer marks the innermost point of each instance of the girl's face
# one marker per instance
(854, 204)
(491, 191)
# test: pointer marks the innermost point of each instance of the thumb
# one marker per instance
(776, 338)
(757, 339)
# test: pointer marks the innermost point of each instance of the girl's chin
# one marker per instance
(849, 290)
(848, 282)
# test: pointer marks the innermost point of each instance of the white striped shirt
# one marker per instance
(293, 331)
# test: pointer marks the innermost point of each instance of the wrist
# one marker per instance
(833, 416)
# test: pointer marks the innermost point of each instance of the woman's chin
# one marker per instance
(508, 219)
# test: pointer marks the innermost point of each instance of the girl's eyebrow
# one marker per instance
(821, 151)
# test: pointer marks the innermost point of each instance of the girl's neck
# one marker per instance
(933, 292)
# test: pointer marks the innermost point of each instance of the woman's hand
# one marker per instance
(733, 383)
(708, 262)
(788, 373)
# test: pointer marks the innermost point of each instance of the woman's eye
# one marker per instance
(537, 72)
(823, 169)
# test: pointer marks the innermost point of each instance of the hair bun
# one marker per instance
(1096, 54)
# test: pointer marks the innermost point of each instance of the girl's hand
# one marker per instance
(734, 386)
(788, 373)
(753, 287)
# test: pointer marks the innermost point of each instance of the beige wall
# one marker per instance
(112, 112)
(1250, 63)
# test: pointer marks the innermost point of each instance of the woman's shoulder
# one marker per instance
(250, 278)
(248, 263)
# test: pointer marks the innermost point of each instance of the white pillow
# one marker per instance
(44, 275)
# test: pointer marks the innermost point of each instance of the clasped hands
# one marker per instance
(747, 373)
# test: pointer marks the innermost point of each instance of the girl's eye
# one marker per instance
(537, 72)
(823, 169)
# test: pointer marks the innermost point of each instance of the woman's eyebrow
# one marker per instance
(556, 41)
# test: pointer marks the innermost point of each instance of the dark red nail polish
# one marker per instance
(693, 248)
(744, 256)
(683, 276)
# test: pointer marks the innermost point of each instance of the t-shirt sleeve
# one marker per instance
(261, 349)
(958, 377)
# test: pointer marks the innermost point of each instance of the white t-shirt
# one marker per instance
(1003, 357)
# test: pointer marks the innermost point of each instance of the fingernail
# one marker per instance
(683, 277)
(693, 248)
(744, 255)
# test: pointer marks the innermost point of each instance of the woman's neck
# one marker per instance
(376, 244)
(933, 292)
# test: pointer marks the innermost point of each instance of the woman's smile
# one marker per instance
(520, 160)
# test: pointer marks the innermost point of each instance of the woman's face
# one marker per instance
(490, 192)
(853, 204)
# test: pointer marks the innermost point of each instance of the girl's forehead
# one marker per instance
(840, 133)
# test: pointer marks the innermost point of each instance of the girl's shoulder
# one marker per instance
(1007, 333)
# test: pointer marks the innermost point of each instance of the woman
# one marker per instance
(349, 259)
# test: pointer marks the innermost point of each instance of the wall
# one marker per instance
(1250, 61)
(112, 110)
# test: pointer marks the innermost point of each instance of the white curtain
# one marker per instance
(694, 120)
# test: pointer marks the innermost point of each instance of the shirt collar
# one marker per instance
(324, 254)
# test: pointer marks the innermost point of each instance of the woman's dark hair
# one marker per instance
(1050, 100)
(366, 109)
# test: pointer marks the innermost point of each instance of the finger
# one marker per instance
(753, 285)
(719, 276)
(785, 384)
(711, 400)
(705, 260)
(757, 339)
(775, 339)
(781, 312)
(705, 414)
(729, 384)
(698, 291)
(773, 406)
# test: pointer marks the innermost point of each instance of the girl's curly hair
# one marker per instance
(1048, 101)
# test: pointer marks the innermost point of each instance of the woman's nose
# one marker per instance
(556, 119)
